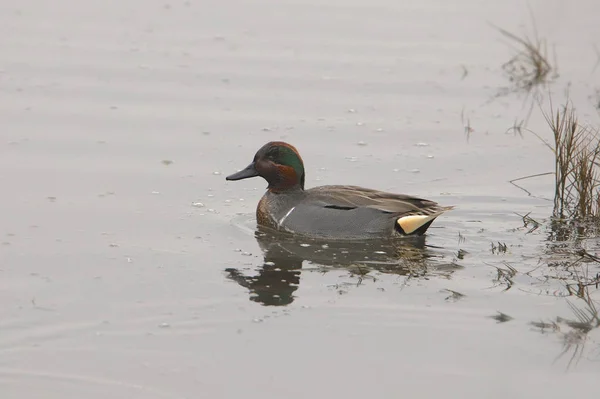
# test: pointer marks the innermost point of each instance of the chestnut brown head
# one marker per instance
(277, 162)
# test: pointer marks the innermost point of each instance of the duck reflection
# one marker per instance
(284, 255)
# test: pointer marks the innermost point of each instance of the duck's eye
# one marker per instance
(272, 155)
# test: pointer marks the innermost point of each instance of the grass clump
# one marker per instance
(529, 66)
(527, 70)
(576, 149)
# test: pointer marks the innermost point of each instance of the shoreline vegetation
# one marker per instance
(576, 199)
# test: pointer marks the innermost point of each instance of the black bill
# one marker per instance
(250, 171)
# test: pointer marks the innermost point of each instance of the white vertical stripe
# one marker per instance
(286, 215)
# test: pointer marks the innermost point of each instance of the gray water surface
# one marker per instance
(129, 267)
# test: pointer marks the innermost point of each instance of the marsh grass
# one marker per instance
(529, 66)
(529, 223)
(576, 150)
(466, 121)
(576, 200)
(453, 296)
(527, 70)
(501, 248)
(504, 276)
(582, 279)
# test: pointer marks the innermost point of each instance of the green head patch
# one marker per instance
(286, 155)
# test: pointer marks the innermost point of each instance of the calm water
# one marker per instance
(129, 267)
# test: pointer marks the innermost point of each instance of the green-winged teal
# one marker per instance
(333, 212)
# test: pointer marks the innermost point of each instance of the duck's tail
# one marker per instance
(418, 224)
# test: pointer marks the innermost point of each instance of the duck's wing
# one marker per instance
(320, 220)
(352, 197)
(412, 215)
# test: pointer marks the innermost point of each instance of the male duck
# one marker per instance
(332, 212)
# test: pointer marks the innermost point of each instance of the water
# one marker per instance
(131, 268)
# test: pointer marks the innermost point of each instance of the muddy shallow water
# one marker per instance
(131, 268)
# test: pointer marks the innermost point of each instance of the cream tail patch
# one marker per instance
(409, 224)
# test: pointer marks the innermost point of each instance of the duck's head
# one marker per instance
(279, 164)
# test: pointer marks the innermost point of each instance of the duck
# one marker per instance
(342, 212)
